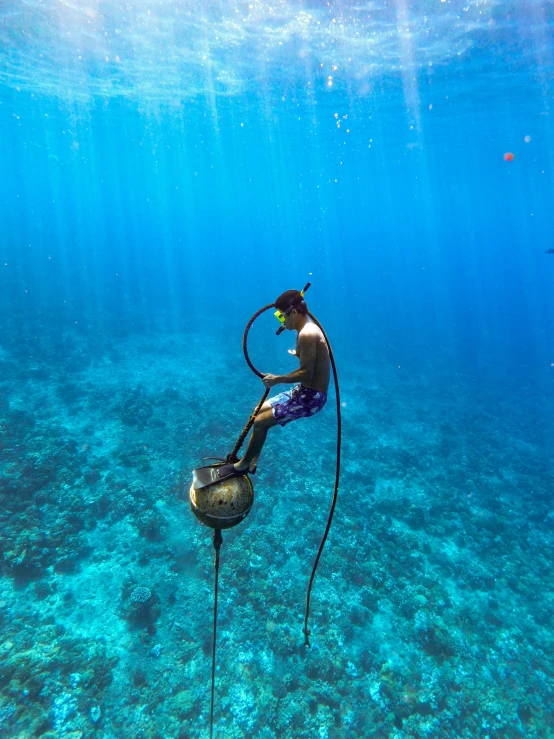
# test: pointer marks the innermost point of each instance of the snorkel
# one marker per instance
(281, 315)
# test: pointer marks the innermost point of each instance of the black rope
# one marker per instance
(218, 539)
(305, 630)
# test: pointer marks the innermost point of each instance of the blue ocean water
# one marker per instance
(167, 169)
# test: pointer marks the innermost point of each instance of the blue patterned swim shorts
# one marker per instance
(298, 402)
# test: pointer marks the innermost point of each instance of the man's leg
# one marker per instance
(264, 421)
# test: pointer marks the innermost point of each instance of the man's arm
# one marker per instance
(307, 348)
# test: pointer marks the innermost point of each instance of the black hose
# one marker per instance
(245, 338)
(233, 456)
(305, 630)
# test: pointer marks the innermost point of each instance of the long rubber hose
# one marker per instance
(245, 338)
(256, 315)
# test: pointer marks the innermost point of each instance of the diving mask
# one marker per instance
(281, 315)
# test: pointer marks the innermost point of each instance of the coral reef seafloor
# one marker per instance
(433, 607)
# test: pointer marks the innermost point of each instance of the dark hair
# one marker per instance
(291, 299)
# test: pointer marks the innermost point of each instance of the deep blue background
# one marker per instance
(143, 224)
(425, 248)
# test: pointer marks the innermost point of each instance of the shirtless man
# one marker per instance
(308, 396)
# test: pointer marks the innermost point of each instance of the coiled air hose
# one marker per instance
(233, 455)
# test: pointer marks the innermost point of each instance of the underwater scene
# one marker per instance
(170, 168)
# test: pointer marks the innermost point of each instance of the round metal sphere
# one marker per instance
(223, 504)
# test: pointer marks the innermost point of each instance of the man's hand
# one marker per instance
(292, 351)
(270, 380)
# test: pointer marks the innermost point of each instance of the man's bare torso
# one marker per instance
(320, 377)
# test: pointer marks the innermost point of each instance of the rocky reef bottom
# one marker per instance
(433, 606)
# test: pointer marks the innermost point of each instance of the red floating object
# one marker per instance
(509, 157)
